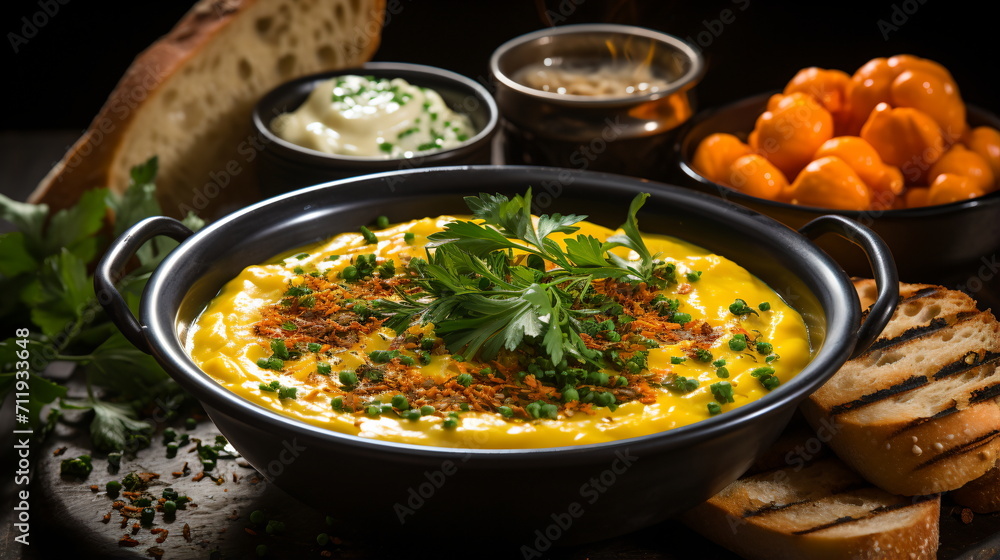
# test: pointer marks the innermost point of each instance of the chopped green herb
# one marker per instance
(408, 237)
(677, 360)
(382, 222)
(764, 348)
(370, 237)
(714, 408)
(738, 343)
(740, 307)
(323, 368)
(348, 378)
(764, 306)
(723, 392)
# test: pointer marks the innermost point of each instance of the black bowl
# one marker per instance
(568, 494)
(936, 244)
(286, 166)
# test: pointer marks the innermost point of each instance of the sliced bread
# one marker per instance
(801, 503)
(917, 413)
(187, 99)
(983, 494)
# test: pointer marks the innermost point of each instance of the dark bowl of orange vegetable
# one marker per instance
(921, 171)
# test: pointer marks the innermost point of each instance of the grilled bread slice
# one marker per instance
(800, 502)
(188, 98)
(983, 494)
(918, 413)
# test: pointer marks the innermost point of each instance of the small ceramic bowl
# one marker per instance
(285, 166)
(945, 244)
(627, 133)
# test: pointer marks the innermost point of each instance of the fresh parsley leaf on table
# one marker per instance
(45, 277)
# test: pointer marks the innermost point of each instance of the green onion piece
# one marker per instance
(382, 222)
(464, 379)
(337, 403)
(169, 507)
(411, 415)
(770, 382)
(113, 486)
(348, 378)
(314, 346)
(261, 550)
(703, 355)
(764, 306)
(677, 360)
(722, 372)
(400, 402)
(505, 411)
(723, 391)
(738, 343)
(719, 363)
(170, 494)
(370, 237)
(287, 392)
(350, 272)
(550, 411)
(604, 399)
(426, 410)
(146, 517)
(694, 276)
(408, 237)
(681, 318)
(534, 409)
(740, 307)
(324, 368)
(383, 356)
(450, 423)
(373, 410)
(279, 349)
(570, 394)
(762, 372)
(764, 348)
(407, 360)
(714, 408)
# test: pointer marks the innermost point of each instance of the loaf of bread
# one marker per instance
(187, 99)
(799, 502)
(917, 413)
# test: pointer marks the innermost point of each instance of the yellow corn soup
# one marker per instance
(224, 343)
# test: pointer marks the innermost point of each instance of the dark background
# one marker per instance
(61, 76)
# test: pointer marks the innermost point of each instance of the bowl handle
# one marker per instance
(882, 263)
(112, 268)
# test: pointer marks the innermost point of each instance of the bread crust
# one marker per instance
(91, 160)
(982, 495)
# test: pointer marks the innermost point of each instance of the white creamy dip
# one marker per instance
(378, 118)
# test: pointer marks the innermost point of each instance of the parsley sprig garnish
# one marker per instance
(505, 281)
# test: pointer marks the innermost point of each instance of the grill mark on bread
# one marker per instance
(965, 363)
(909, 384)
(921, 421)
(962, 449)
(936, 324)
(985, 394)
(921, 293)
(772, 508)
(873, 513)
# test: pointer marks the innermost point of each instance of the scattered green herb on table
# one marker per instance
(44, 268)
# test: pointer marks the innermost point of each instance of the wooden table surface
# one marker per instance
(68, 517)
